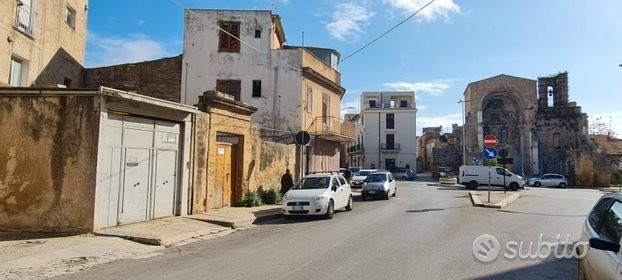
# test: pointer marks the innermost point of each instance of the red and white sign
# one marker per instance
(490, 141)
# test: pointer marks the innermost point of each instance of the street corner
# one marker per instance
(495, 199)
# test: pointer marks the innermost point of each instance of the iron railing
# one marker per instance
(23, 18)
(390, 147)
(333, 126)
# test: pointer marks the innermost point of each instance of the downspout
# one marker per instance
(193, 138)
(274, 98)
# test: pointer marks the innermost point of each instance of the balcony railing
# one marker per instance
(333, 128)
(356, 148)
(23, 19)
(395, 147)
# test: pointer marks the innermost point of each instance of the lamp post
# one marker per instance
(464, 155)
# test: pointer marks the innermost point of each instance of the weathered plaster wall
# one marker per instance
(278, 69)
(55, 50)
(271, 159)
(48, 157)
(159, 78)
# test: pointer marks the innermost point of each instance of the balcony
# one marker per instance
(356, 148)
(23, 19)
(333, 129)
(391, 148)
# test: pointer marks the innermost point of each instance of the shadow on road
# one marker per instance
(550, 269)
(434, 209)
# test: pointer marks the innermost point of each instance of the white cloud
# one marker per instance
(422, 107)
(350, 107)
(435, 88)
(122, 49)
(446, 121)
(347, 21)
(438, 9)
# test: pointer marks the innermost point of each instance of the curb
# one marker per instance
(499, 204)
(240, 223)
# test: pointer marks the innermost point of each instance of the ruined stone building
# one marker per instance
(437, 149)
(42, 42)
(535, 121)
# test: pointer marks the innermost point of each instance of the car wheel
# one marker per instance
(349, 206)
(514, 186)
(473, 185)
(330, 210)
(562, 185)
(537, 184)
(395, 192)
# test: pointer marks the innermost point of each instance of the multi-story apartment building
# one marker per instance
(387, 131)
(43, 42)
(294, 88)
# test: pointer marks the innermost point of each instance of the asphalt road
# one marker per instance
(426, 232)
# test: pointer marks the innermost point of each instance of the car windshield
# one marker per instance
(313, 183)
(376, 178)
(363, 173)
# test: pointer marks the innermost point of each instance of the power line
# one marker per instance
(386, 32)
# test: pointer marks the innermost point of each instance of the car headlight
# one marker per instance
(319, 197)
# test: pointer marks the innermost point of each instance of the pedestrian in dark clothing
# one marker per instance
(287, 182)
(347, 174)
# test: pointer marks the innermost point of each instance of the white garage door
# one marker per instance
(139, 159)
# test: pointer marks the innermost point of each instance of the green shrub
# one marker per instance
(251, 199)
(270, 196)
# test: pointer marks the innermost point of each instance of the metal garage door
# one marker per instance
(142, 157)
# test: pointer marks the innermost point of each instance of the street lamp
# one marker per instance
(464, 155)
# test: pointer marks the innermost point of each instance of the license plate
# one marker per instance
(297, 208)
(372, 192)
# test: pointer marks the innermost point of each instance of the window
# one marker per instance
(390, 141)
(257, 33)
(325, 110)
(550, 96)
(403, 103)
(389, 163)
(612, 223)
(25, 17)
(596, 216)
(17, 73)
(335, 182)
(67, 82)
(342, 180)
(392, 104)
(372, 103)
(226, 42)
(70, 16)
(256, 88)
(309, 99)
(231, 87)
(390, 121)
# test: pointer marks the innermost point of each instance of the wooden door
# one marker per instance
(225, 177)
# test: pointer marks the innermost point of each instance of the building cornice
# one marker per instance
(315, 76)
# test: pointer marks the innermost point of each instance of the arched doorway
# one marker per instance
(502, 116)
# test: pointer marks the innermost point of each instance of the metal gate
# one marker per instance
(141, 159)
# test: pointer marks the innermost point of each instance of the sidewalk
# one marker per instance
(38, 255)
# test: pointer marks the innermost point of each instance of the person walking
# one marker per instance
(287, 182)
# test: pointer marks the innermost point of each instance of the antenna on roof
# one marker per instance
(274, 5)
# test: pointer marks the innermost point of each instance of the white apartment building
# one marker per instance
(294, 88)
(387, 131)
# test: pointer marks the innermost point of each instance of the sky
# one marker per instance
(437, 53)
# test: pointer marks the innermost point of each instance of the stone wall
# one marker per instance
(271, 160)
(48, 162)
(157, 78)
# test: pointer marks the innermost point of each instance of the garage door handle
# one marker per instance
(137, 184)
(165, 182)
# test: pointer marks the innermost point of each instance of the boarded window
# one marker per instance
(226, 42)
(257, 88)
(309, 99)
(231, 87)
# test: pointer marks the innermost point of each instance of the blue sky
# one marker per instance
(437, 54)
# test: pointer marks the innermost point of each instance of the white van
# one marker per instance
(472, 176)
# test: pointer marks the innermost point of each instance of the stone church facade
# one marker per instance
(535, 121)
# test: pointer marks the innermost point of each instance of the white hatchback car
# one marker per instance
(602, 229)
(379, 184)
(318, 194)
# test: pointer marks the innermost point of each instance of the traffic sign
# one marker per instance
(490, 153)
(490, 141)
(303, 138)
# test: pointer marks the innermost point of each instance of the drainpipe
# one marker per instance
(274, 98)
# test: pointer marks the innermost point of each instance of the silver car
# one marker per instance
(602, 229)
(549, 180)
(379, 184)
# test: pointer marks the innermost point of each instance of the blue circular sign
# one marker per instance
(490, 153)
